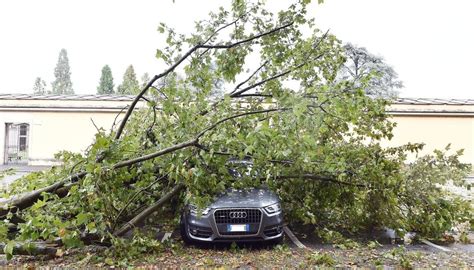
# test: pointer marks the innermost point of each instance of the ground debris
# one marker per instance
(258, 256)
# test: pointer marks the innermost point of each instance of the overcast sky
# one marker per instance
(428, 42)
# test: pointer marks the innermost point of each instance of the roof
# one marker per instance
(433, 101)
(413, 101)
(67, 97)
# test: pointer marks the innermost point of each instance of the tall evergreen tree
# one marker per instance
(39, 88)
(130, 84)
(145, 79)
(106, 83)
(62, 85)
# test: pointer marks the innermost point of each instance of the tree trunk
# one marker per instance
(37, 250)
(20, 202)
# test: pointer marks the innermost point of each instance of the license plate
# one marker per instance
(238, 227)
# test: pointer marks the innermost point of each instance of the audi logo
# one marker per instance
(238, 214)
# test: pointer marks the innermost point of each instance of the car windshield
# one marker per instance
(240, 168)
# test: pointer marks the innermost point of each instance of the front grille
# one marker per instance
(225, 217)
(236, 216)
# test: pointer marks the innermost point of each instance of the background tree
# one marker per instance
(106, 83)
(62, 85)
(39, 87)
(360, 63)
(144, 79)
(130, 84)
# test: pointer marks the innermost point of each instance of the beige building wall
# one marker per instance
(436, 133)
(58, 123)
(64, 122)
(436, 123)
(51, 132)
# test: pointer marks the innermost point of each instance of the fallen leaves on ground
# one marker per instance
(251, 257)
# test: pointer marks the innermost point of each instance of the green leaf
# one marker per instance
(82, 218)
(8, 249)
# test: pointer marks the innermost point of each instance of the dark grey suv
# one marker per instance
(237, 215)
(252, 214)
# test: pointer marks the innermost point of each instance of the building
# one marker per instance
(34, 128)
(435, 122)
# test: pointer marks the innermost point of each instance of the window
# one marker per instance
(16, 143)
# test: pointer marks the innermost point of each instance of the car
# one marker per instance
(236, 215)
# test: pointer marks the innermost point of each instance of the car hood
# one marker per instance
(252, 197)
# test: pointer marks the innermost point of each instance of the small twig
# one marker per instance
(98, 130)
(250, 77)
(116, 116)
(237, 116)
(75, 165)
(159, 91)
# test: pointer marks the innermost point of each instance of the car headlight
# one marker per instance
(194, 210)
(273, 208)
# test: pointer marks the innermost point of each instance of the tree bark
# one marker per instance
(37, 250)
(23, 201)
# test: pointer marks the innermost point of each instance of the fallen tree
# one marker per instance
(315, 140)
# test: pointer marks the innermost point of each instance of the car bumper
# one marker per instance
(205, 228)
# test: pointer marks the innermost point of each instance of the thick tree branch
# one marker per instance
(23, 201)
(155, 154)
(26, 200)
(148, 211)
(38, 249)
(254, 95)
